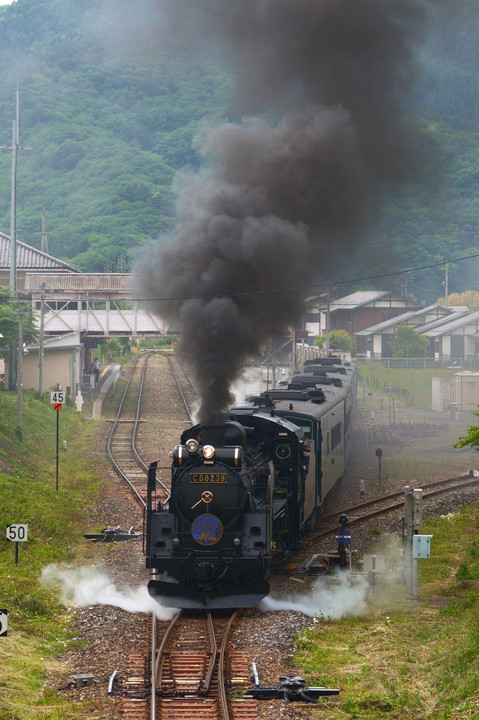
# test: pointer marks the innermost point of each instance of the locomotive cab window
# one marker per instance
(305, 425)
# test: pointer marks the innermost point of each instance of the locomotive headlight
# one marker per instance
(237, 541)
(192, 445)
(176, 541)
(208, 452)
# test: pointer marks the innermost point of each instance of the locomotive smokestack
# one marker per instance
(280, 198)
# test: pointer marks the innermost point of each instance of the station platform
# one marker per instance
(108, 378)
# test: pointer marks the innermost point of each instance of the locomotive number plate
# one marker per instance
(208, 477)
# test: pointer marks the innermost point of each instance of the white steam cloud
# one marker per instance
(346, 595)
(86, 586)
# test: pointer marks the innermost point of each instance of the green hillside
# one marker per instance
(108, 123)
(104, 137)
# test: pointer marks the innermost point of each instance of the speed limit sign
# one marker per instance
(57, 397)
(17, 533)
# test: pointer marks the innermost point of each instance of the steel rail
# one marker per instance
(214, 650)
(221, 667)
(154, 641)
(139, 499)
(394, 506)
(134, 450)
(187, 376)
(177, 380)
(383, 498)
(160, 657)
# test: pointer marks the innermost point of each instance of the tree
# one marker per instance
(407, 343)
(472, 437)
(339, 339)
(468, 297)
(9, 322)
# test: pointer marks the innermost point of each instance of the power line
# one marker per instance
(302, 288)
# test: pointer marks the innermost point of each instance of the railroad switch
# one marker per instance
(292, 688)
(112, 533)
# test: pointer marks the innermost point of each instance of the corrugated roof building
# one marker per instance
(28, 259)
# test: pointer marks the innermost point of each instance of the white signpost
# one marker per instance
(3, 622)
(17, 533)
(57, 397)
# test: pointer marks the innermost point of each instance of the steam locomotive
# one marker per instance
(244, 492)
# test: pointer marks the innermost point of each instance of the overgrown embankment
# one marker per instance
(38, 626)
(406, 661)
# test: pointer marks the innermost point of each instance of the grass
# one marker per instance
(408, 661)
(418, 458)
(38, 626)
(416, 381)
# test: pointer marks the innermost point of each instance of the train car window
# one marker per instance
(305, 425)
(336, 436)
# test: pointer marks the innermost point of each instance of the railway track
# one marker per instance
(185, 385)
(184, 669)
(195, 671)
(390, 502)
(122, 439)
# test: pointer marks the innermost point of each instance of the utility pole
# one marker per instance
(20, 368)
(44, 234)
(12, 369)
(328, 318)
(41, 348)
(13, 205)
(446, 282)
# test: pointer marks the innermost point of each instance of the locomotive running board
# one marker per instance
(246, 594)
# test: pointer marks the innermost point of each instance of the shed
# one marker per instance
(62, 364)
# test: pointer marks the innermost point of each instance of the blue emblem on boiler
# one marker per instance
(207, 529)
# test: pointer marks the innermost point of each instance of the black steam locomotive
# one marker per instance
(245, 491)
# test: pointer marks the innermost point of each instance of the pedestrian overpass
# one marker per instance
(98, 305)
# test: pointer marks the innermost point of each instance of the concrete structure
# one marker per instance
(62, 364)
(457, 394)
(441, 394)
(465, 391)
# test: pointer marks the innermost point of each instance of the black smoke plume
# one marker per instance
(284, 194)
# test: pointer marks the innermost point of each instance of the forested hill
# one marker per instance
(105, 131)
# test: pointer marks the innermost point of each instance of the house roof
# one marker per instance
(357, 299)
(29, 258)
(59, 342)
(364, 297)
(400, 319)
(444, 320)
(455, 323)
